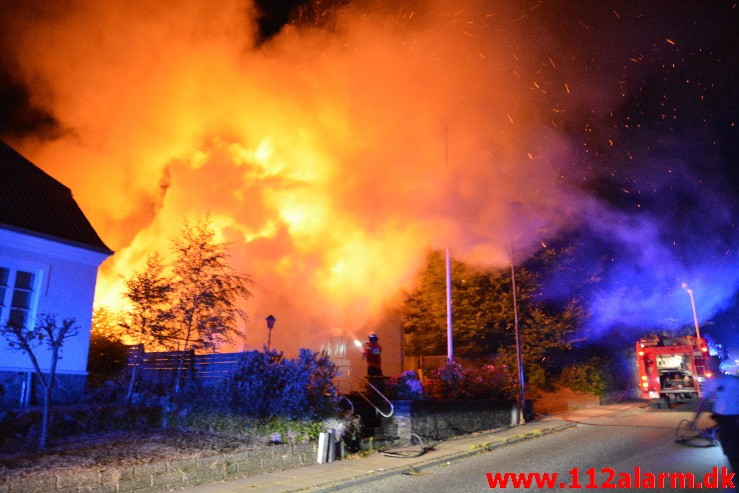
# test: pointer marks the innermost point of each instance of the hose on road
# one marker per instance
(406, 448)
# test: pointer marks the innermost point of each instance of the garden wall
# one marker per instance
(165, 476)
(439, 420)
(22, 388)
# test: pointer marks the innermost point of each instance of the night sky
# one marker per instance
(643, 93)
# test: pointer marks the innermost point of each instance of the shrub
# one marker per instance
(593, 376)
(214, 420)
(452, 381)
(280, 430)
(447, 382)
(406, 386)
(348, 428)
(321, 395)
(488, 382)
(266, 385)
(106, 358)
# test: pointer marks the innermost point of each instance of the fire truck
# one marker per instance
(671, 369)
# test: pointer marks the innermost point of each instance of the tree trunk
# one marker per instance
(139, 357)
(45, 415)
(129, 394)
(48, 393)
(178, 373)
(181, 362)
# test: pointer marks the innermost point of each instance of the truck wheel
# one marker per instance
(657, 404)
(667, 402)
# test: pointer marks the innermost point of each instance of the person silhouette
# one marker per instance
(723, 391)
(373, 354)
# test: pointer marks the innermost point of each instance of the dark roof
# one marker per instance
(33, 202)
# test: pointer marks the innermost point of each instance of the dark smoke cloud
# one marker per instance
(22, 112)
(20, 116)
(273, 15)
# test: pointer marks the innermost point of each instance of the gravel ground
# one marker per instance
(117, 449)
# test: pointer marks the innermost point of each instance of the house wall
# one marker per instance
(65, 286)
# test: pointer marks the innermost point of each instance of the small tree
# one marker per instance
(148, 293)
(483, 315)
(425, 308)
(51, 334)
(204, 310)
(108, 355)
(190, 302)
(107, 323)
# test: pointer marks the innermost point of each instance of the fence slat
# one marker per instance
(161, 367)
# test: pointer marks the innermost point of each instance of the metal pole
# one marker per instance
(695, 316)
(449, 341)
(519, 356)
(270, 325)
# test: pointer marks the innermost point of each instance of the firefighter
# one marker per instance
(373, 355)
(723, 391)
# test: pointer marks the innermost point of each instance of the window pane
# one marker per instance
(4, 274)
(24, 280)
(18, 318)
(2, 297)
(21, 299)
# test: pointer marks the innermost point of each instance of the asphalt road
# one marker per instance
(623, 442)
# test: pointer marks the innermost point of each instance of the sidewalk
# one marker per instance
(351, 472)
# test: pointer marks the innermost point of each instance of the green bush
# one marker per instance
(446, 382)
(106, 361)
(488, 382)
(452, 381)
(266, 385)
(593, 376)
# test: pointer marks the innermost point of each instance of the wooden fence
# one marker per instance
(161, 367)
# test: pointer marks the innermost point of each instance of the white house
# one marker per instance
(49, 258)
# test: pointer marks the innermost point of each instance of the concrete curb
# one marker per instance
(426, 464)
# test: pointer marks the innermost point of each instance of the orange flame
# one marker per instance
(320, 155)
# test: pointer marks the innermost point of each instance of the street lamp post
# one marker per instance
(270, 325)
(695, 316)
(448, 265)
(519, 355)
(515, 216)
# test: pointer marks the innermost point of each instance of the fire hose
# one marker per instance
(406, 449)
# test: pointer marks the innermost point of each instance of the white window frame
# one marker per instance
(14, 267)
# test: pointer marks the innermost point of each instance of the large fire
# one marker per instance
(321, 156)
(331, 156)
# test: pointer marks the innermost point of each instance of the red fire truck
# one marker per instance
(671, 369)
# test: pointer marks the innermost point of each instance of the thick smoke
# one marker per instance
(333, 151)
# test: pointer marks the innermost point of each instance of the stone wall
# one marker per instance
(166, 476)
(16, 392)
(438, 420)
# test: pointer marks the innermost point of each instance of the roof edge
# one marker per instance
(36, 234)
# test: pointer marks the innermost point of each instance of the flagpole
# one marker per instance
(449, 340)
